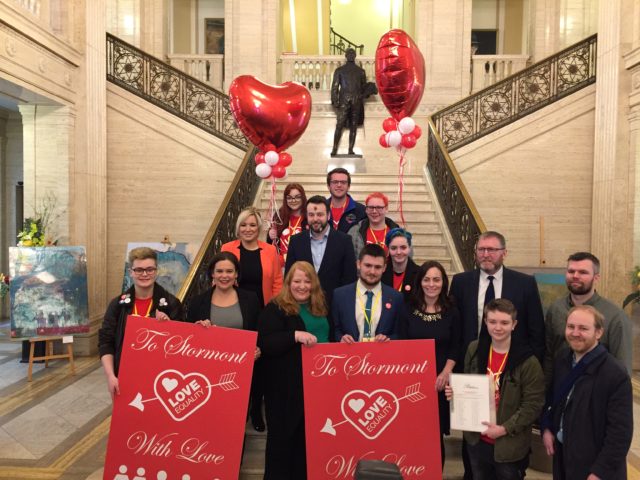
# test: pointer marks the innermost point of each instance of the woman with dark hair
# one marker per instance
(224, 304)
(432, 314)
(296, 316)
(401, 269)
(293, 219)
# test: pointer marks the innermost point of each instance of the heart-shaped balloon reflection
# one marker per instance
(399, 73)
(270, 115)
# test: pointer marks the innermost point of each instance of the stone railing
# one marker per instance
(208, 69)
(489, 69)
(316, 71)
(32, 6)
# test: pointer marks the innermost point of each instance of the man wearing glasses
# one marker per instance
(344, 211)
(473, 290)
(145, 298)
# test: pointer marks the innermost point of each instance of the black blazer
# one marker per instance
(200, 308)
(520, 289)
(338, 265)
(409, 277)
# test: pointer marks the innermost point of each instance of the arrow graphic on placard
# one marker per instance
(226, 383)
(411, 393)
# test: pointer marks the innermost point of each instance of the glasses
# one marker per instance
(372, 208)
(339, 182)
(490, 250)
(148, 270)
(293, 199)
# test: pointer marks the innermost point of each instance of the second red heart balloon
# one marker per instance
(400, 73)
(270, 116)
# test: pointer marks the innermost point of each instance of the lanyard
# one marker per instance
(375, 238)
(135, 308)
(375, 302)
(496, 375)
(344, 205)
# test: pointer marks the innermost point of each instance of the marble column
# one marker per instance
(153, 38)
(612, 217)
(89, 180)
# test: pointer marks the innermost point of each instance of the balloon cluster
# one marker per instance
(402, 134)
(272, 163)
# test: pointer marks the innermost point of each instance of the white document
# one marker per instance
(473, 401)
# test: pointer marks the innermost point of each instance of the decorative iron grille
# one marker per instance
(463, 220)
(240, 195)
(518, 95)
(172, 90)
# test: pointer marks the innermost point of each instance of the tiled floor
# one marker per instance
(56, 426)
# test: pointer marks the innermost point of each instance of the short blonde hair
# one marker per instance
(246, 213)
(142, 253)
(288, 304)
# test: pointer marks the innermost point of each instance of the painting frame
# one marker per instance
(214, 36)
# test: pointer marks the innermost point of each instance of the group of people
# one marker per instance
(336, 270)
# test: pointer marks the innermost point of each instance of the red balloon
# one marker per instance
(400, 73)
(389, 124)
(417, 132)
(278, 171)
(409, 140)
(271, 117)
(383, 140)
(285, 159)
(259, 158)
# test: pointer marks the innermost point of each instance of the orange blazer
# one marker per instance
(271, 268)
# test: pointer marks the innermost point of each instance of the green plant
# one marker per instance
(4, 285)
(635, 282)
(37, 230)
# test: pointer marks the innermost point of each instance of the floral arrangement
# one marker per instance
(635, 282)
(37, 230)
(4, 285)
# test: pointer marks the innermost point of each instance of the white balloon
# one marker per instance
(263, 170)
(394, 138)
(271, 158)
(406, 125)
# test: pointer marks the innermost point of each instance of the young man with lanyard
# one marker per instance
(144, 298)
(344, 211)
(367, 310)
(375, 227)
(501, 451)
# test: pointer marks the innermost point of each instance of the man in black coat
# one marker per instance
(473, 290)
(587, 423)
(328, 250)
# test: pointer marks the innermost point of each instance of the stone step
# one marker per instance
(407, 197)
(356, 179)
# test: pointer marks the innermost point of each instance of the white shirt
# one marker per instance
(376, 307)
(482, 290)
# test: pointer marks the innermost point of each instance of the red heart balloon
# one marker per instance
(399, 73)
(270, 115)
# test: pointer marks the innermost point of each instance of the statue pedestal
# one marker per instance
(353, 163)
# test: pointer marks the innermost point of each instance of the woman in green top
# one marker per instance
(296, 316)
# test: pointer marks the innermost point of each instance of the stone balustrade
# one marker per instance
(316, 71)
(208, 69)
(489, 69)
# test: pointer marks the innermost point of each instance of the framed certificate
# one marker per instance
(473, 401)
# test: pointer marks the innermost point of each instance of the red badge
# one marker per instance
(388, 306)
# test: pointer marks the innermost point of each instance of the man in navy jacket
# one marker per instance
(344, 211)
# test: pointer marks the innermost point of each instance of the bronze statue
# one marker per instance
(348, 89)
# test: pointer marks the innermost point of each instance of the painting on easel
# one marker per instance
(48, 291)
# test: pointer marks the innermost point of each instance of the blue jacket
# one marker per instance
(353, 213)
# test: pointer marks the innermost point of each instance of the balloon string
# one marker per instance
(401, 187)
(272, 213)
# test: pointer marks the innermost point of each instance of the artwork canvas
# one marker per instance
(48, 291)
(552, 286)
(174, 261)
(214, 35)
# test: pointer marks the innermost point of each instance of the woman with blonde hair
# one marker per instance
(296, 316)
(260, 272)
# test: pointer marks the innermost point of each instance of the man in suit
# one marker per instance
(473, 290)
(367, 310)
(328, 250)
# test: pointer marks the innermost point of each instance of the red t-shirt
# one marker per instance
(142, 307)
(294, 227)
(336, 215)
(398, 278)
(377, 236)
(497, 360)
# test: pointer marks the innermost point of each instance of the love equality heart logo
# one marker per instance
(181, 395)
(370, 413)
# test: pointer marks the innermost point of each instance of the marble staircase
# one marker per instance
(420, 209)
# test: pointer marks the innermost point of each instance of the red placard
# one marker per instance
(371, 401)
(182, 407)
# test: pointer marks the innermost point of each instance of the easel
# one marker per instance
(48, 353)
